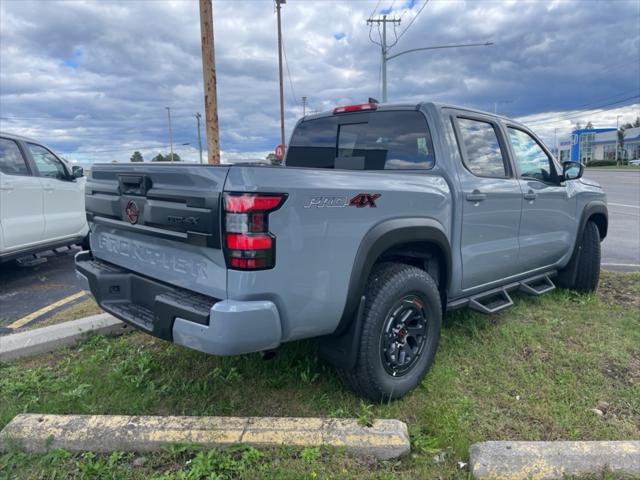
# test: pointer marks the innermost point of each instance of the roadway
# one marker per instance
(26, 289)
(621, 248)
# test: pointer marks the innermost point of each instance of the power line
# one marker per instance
(286, 63)
(582, 112)
(375, 8)
(412, 20)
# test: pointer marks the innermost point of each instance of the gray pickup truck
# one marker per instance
(382, 218)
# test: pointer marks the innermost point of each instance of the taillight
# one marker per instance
(355, 108)
(248, 243)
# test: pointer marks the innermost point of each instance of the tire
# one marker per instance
(588, 270)
(393, 290)
(85, 243)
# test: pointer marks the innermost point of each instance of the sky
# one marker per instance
(92, 79)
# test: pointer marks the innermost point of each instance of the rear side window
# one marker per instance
(11, 159)
(375, 141)
(483, 153)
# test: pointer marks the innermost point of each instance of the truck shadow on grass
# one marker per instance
(535, 372)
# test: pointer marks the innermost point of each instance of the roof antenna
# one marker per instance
(373, 100)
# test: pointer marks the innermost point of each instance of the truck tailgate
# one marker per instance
(162, 221)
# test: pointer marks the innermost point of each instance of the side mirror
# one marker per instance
(572, 170)
(77, 172)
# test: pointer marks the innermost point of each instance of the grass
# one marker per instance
(534, 372)
(615, 167)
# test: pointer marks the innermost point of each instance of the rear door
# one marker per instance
(548, 222)
(162, 221)
(63, 195)
(492, 202)
(21, 203)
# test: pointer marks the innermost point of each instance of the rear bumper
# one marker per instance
(218, 327)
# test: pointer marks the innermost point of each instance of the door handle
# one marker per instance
(476, 196)
(7, 187)
(530, 195)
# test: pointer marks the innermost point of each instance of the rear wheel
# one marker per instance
(400, 333)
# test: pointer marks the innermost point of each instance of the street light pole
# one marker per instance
(278, 3)
(617, 137)
(170, 131)
(386, 58)
(198, 116)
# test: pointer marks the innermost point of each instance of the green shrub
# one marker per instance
(602, 163)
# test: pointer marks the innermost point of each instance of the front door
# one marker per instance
(63, 196)
(491, 203)
(21, 204)
(548, 211)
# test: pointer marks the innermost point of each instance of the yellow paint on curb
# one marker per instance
(385, 439)
(38, 313)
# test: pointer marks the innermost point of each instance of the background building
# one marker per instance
(588, 145)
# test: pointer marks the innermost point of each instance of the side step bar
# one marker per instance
(490, 302)
(498, 299)
(537, 285)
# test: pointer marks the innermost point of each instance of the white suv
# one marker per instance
(41, 199)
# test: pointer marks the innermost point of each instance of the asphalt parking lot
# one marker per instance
(27, 289)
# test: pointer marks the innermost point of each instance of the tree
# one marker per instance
(166, 158)
(273, 160)
(137, 157)
(589, 125)
(636, 123)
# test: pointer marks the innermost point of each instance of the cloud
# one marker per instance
(92, 79)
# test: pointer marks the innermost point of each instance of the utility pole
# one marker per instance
(199, 138)
(209, 76)
(170, 131)
(555, 141)
(278, 4)
(384, 48)
(304, 106)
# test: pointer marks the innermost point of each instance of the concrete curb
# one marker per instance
(48, 339)
(552, 460)
(385, 439)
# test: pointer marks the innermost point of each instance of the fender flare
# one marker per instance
(567, 276)
(341, 347)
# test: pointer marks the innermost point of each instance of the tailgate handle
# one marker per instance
(134, 184)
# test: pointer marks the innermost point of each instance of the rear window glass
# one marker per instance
(374, 141)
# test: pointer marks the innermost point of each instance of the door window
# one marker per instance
(532, 160)
(46, 162)
(11, 159)
(483, 153)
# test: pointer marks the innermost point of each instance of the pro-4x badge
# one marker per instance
(364, 200)
(361, 200)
